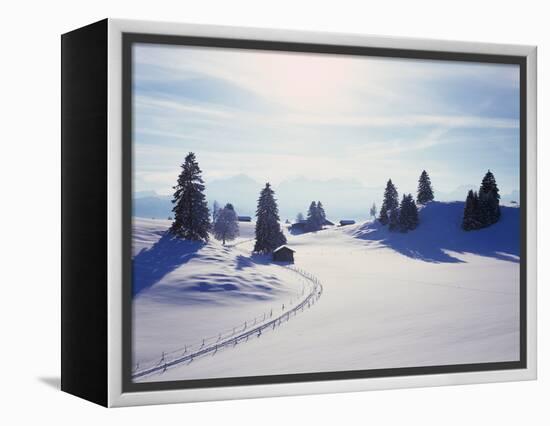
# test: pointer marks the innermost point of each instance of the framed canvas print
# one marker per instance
(256, 212)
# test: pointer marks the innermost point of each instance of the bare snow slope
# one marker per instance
(185, 291)
(434, 296)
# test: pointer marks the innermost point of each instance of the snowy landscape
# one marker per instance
(291, 222)
(437, 296)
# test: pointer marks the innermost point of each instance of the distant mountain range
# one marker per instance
(342, 198)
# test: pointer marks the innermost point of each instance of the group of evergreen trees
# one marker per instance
(316, 217)
(482, 208)
(408, 215)
(403, 216)
(192, 217)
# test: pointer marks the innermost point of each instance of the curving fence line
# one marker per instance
(236, 335)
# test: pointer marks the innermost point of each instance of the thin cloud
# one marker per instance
(331, 117)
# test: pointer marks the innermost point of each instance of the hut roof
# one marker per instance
(284, 247)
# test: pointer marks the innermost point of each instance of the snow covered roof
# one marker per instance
(283, 247)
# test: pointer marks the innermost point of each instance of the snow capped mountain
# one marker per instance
(240, 190)
(342, 198)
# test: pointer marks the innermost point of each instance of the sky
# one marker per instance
(278, 117)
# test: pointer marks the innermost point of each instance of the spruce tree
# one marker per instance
(425, 191)
(384, 218)
(390, 203)
(314, 221)
(408, 214)
(470, 218)
(191, 216)
(394, 219)
(299, 217)
(489, 200)
(390, 196)
(226, 226)
(321, 213)
(268, 230)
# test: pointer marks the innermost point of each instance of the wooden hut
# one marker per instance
(283, 254)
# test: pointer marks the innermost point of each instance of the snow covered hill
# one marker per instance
(439, 235)
(435, 296)
(185, 291)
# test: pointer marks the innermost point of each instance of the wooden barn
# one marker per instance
(299, 226)
(283, 254)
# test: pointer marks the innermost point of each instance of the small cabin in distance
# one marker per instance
(346, 222)
(283, 254)
(301, 226)
(244, 218)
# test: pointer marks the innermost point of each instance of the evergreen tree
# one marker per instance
(413, 215)
(373, 210)
(425, 191)
(394, 219)
(408, 214)
(314, 220)
(483, 208)
(390, 203)
(191, 216)
(321, 213)
(470, 220)
(226, 226)
(384, 218)
(489, 200)
(299, 217)
(268, 229)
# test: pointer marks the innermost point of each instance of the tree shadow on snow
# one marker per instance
(440, 232)
(167, 254)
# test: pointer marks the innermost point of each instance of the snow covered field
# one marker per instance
(187, 291)
(434, 296)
